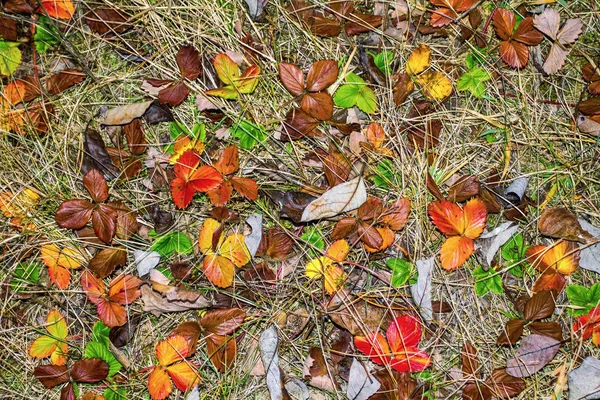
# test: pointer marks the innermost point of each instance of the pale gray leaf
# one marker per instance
(421, 291)
(194, 394)
(297, 389)
(588, 125)
(548, 22)
(344, 197)
(123, 115)
(256, 7)
(489, 243)
(268, 351)
(253, 239)
(145, 261)
(584, 382)
(590, 255)
(361, 384)
(516, 190)
(534, 353)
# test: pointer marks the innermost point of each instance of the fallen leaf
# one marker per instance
(105, 20)
(584, 381)
(347, 196)
(355, 314)
(421, 291)
(256, 7)
(96, 156)
(123, 115)
(268, 344)
(145, 261)
(315, 370)
(174, 300)
(590, 255)
(255, 237)
(560, 223)
(548, 22)
(489, 243)
(361, 384)
(534, 353)
(503, 385)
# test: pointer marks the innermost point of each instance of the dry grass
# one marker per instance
(539, 135)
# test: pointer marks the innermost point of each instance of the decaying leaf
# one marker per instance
(584, 381)
(560, 223)
(174, 299)
(347, 196)
(590, 255)
(361, 384)
(421, 291)
(534, 353)
(355, 314)
(489, 243)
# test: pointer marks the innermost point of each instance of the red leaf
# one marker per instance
(74, 214)
(174, 94)
(104, 222)
(189, 178)
(552, 281)
(189, 62)
(504, 385)
(96, 185)
(403, 332)
(514, 53)
(224, 321)
(527, 34)
(63, 9)
(321, 75)
(442, 17)
(135, 137)
(182, 192)
(504, 23)
(51, 375)
(375, 347)
(63, 80)
(361, 23)
(292, 78)
(322, 26)
(89, 370)
(318, 105)
(68, 393)
(298, 124)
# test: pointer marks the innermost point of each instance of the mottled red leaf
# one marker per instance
(174, 94)
(96, 185)
(63, 80)
(292, 78)
(189, 62)
(74, 214)
(51, 375)
(89, 370)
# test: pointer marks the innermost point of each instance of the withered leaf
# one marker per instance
(463, 189)
(51, 375)
(470, 362)
(96, 156)
(105, 20)
(403, 87)
(551, 329)
(353, 313)
(190, 330)
(106, 260)
(540, 306)
(512, 332)
(560, 223)
(503, 385)
(63, 80)
(292, 203)
(8, 29)
(534, 353)
(224, 321)
(173, 301)
(121, 335)
(89, 370)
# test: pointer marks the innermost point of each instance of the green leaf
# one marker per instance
(115, 394)
(100, 332)
(10, 57)
(249, 134)
(383, 61)
(173, 242)
(315, 238)
(176, 130)
(402, 271)
(385, 173)
(583, 298)
(46, 35)
(356, 93)
(25, 274)
(487, 281)
(513, 251)
(476, 57)
(199, 132)
(100, 350)
(474, 82)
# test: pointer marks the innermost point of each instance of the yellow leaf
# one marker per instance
(315, 268)
(333, 277)
(338, 251)
(434, 85)
(234, 248)
(419, 60)
(205, 239)
(54, 344)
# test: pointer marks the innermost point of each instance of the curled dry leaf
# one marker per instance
(347, 196)
(560, 223)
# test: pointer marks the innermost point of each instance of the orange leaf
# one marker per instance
(339, 250)
(124, 289)
(54, 344)
(375, 347)
(63, 9)
(159, 384)
(563, 257)
(449, 218)
(184, 143)
(246, 187)
(59, 262)
(551, 281)
(221, 350)
(221, 194)
(375, 134)
(455, 251)
(206, 239)
(190, 178)
(219, 270)
(184, 376)
(388, 238)
(172, 350)
(333, 278)
(228, 163)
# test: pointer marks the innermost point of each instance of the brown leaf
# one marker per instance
(318, 105)
(476, 391)
(336, 166)
(403, 87)
(221, 350)
(190, 330)
(433, 188)
(51, 375)
(173, 300)
(470, 362)
(540, 306)
(512, 332)
(551, 329)
(441, 307)
(560, 223)
(361, 23)
(63, 80)
(174, 94)
(355, 314)
(326, 27)
(68, 393)
(534, 353)
(369, 235)
(134, 133)
(96, 185)
(89, 370)
(105, 20)
(104, 222)
(503, 385)
(127, 224)
(396, 386)
(292, 204)
(121, 335)
(189, 62)
(74, 214)
(292, 78)
(276, 245)
(298, 124)
(552, 281)
(321, 75)
(95, 154)
(224, 321)
(490, 200)
(591, 106)
(396, 216)
(344, 228)
(370, 209)
(21, 6)
(315, 370)
(106, 260)
(180, 270)
(463, 189)
(8, 29)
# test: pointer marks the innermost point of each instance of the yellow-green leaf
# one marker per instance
(10, 57)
